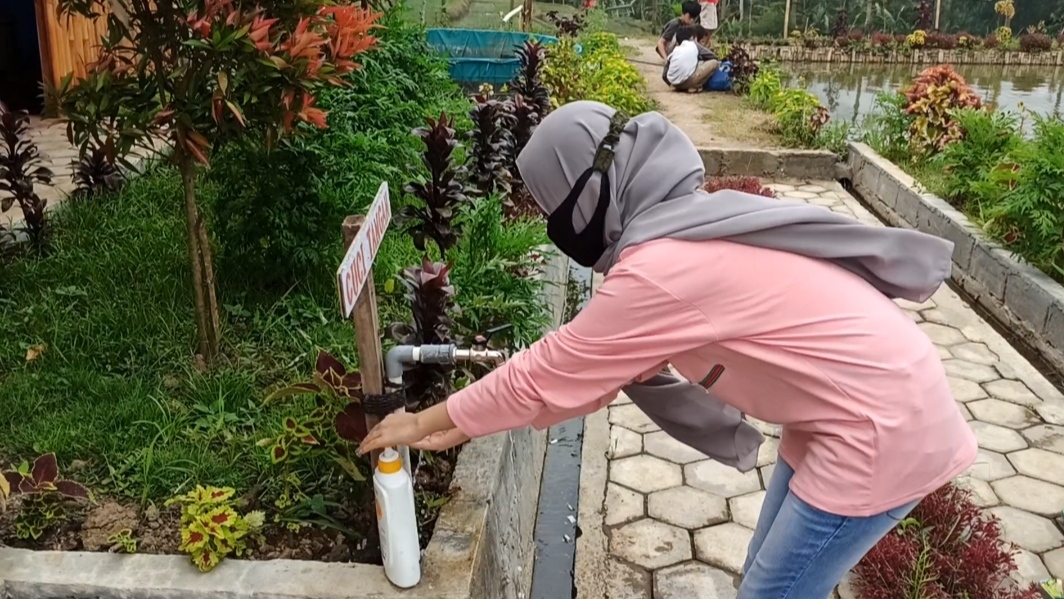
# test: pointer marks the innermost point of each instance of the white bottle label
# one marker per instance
(382, 530)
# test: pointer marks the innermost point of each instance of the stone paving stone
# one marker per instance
(767, 429)
(693, 580)
(943, 353)
(1026, 530)
(624, 443)
(1046, 436)
(723, 546)
(980, 373)
(1030, 494)
(625, 582)
(990, 466)
(632, 418)
(1040, 464)
(817, 189)
(918, 319)
(1054, 561)
(651, 544)
(965, 390)
(746, 508)
(1029, 567)
(622, 505)
(942, 335)
(936, 316)
(622, 400)
(1012, 392)
(845, 589)
(687, 508)
(1053, 413)
(769, 452)
(982, 493)
(661, 445)
(997, 438)
(908, 305)
(645, 473)
(800, 195)
(965, 411)
(977, 353)
(721, 480)
(1003, 413)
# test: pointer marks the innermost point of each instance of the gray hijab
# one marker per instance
(655, 180)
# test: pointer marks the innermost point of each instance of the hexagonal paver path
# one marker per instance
(678, 523)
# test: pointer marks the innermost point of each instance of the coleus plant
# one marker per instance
(21, 170)
(211, 528)
(338, 415)
(567, 26)
(491, 144)
(43, 493)
(932, 99)
(441, 193)
(431, 298)
(528, 81)
(743, 69)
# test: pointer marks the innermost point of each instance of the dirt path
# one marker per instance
(709, 119)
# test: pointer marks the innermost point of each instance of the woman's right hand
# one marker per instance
(441, 441)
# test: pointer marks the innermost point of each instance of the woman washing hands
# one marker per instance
(776, 309)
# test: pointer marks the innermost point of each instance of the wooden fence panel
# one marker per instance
(68, 43)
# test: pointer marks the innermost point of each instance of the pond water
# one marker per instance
(849, 90)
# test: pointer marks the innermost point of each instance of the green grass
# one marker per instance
(116, 389)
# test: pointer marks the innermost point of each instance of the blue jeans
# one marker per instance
(800, 552)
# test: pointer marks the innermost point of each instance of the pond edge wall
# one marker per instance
(929, 56)
(1019, 295)
(483, 545)
(804, 165)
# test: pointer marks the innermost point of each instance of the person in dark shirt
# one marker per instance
(689, 16)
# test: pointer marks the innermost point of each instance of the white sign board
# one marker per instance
(357, 266)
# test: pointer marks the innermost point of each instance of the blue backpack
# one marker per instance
(720, 81)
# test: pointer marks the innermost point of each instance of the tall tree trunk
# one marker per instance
(868, 16)
(787, 19)
(207, 317)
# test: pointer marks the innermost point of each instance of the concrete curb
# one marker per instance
(1023, 297)
(482, 546)
(802, 165)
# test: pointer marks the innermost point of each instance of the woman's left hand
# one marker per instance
(396, 429)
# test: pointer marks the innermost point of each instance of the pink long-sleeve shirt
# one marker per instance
(869, 422)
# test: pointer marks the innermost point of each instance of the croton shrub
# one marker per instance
(931, 98)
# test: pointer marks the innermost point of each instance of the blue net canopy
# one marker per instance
(479, 56)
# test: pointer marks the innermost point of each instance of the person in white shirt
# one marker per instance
(691, 64)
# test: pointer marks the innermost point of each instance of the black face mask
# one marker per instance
(587, 246)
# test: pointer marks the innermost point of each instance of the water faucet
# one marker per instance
(400, 356)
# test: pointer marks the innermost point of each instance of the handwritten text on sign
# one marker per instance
(357, 266)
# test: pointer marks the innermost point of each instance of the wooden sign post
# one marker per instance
(358, 299)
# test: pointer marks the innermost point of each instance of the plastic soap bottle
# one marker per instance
(397, 520)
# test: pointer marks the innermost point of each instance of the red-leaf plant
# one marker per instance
(528, 81)
(43, 494)
(21, 169)
(744, 184)
(196, 74)
(431, 298)
(947, 547)
(491, 145)
(441, 193)
(336, 423)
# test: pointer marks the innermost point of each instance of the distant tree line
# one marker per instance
(764, 18)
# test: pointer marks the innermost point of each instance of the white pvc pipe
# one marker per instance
(512, 14)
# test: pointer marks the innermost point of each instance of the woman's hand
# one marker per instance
(396, 429)
(441, 441)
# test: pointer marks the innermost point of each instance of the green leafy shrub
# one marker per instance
(1029, 213)
(798, 115)
(600, 73)
(932, 97)
(916, 39)
(21, 170)
(278, 210)
(1036, 42)
(44, 495)
(988, 137)
(211, 529)
(886, 128)
(765, 87)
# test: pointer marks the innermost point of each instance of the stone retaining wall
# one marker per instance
(796, 54)
(1023, 297)
(804, 165)
(482, 546)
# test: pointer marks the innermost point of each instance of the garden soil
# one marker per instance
(710, 119)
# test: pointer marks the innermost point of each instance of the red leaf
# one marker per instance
(351, 423)
(290, 424)
(45, 470)
(221, 518)
(308, 440)
(14, 480)
(69, 488)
